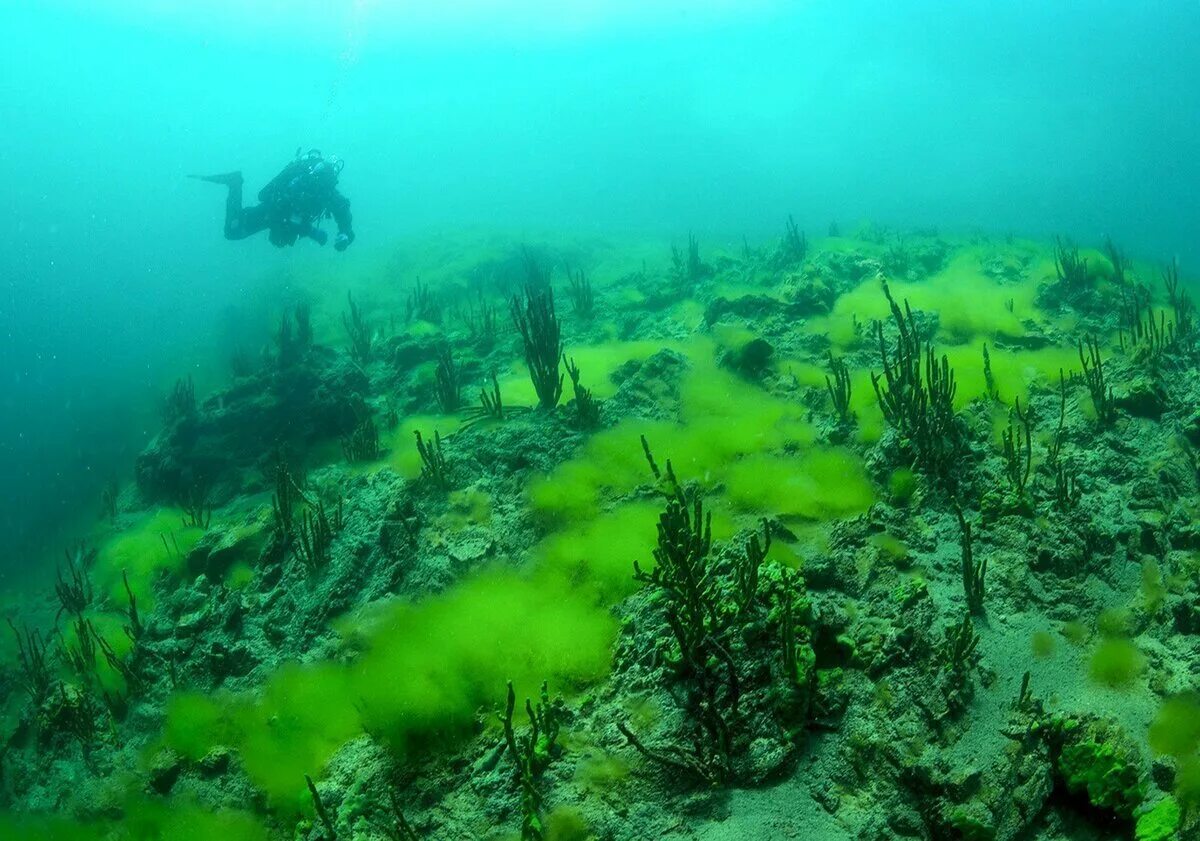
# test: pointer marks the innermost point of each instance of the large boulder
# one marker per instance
(317, 398)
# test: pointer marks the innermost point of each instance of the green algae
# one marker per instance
(424, 669)
(158, 543)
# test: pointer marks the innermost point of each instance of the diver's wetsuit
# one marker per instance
(290, 205)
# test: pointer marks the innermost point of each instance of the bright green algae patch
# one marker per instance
(723, 420)
(968, 303)
(155, 544)
(818, 485)
(594, 559)
(143, 819)
(425, 669)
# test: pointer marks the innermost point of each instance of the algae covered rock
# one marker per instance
(220, 549)
(649, 388)
(316, 398)
(1143, 397)
(1097, 759)
(1160, 822)
(750, 358)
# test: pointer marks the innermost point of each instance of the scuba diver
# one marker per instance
(292, 204)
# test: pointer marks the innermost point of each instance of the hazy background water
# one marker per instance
(587, 116)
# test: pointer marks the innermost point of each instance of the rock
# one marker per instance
(809, 296)
(224, 661)
(165, 768)
(651, 389)
(764, 757)
(192, 624)
(317, 398)
(216, 761)
(757, 307)
(1143, 398)
(751, 358)
(219, 550)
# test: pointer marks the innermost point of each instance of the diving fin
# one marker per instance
(229, 179)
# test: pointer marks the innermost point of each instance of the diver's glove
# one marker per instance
(343, 241)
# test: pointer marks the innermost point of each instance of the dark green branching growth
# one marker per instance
(422, 305)
(537, 271)
(181, 402)
(286, 347)
(81, 656)
(304, 331)
(361, 335)
(1153, 340)
(683, 576)
(1066, 487)
(1070, 268)
(403, 830)
(433, 461)
(958, 653)
(119, 665)
(172, 548)
(796, 674)
(1148, 339)
(1182, 306)
(1093, 376)
(650, 458)
(722, 614)
(1018, 449)
(898, 257)
(449, 389)
(491, 406)
(683, 571)
(314, 538)
(532, 753)
(74, 591)
(674, 759)
(197, 509)
(793, 248)
(363, 443)
(787, 634)
(1060, 433)
(1131, 312)
(542, 338)
(491, 403)
(920, 409)
(133, 627)
(109, 495)
(482, 322)
(283, 501)
(587, 408)
(1118, 260)
(691, 267)
(540, 746)
(319, 808)
(746, 571)
(837, 381)
(34, 675)
(579, 288)
(1025, 700)
(972, 573)
(291, 343)
(76, 716)
(988, 378)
